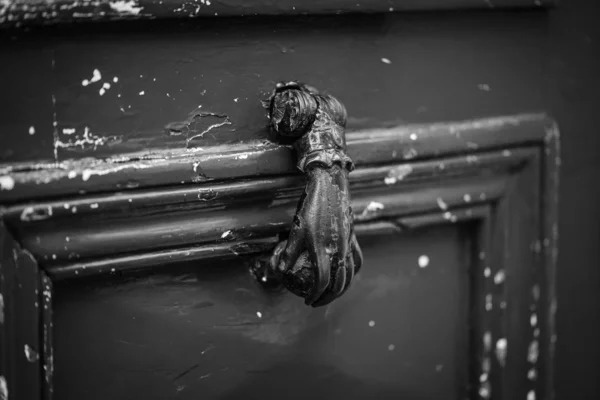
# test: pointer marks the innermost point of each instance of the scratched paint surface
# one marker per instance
(211, 333)
(17, 13)
(106, 90)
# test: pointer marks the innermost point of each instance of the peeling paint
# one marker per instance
(501, 351)
(36, 213)
(125, 7)
(499, 277)
(442, 204)
(397, 174)
(31, 355)
(7, 183)
(533, 352)
(3, 388)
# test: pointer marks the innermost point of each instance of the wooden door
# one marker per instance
(128, 239)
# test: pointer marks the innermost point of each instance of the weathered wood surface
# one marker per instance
(28, 12)
(253, 159)
(82, 228)
(442, 68)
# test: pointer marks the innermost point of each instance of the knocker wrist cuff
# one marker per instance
(323, 144)
(325, 158)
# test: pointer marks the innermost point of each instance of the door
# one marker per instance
(134, 233)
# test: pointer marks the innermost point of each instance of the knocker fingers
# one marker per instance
(321, 256)
(357, 255)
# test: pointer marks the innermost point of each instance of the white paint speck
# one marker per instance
(439, 367)
(32, 130)
(488, 302)
(374, 206)
(391, 9)
(533, 352)
(371, 323)
(533, 320)
(442, 204)
(94, 205)
(532, 374)
(397, 174)
(423, 261)
(485, 390)
(487, 341)
(259, 314)
(391, 347)
(68, 131)
(115, 79)
(3, 388)
(85, 82)
(142, 93)
(467, 198)
(501, 350)
(7, 182)
(101, 91)
(106, 85)
(487, 272)
(499, 277)
(483, 86)
(413, 136)
(506, 153)
(448, 215)
(236, 99)
(531, 395)
(226, 234)
(30, 354)
(264, 279)
(126, 7)
(386, 61)
(112, 270)
(96, 76)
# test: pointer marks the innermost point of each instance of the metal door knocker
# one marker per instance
(321, 256)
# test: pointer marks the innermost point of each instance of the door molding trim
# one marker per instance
(507, 166)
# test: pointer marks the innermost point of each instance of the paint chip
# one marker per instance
(3, 388)
(467, 198)
(386, 61)
(531, 395)
(441, 204)
(32, 130)
(423, 261)
(499, 277)
(115, 79)
(7, 182)
(226, 234)
(30, 354)
(391, 347)
(142, 93)
(259, 314)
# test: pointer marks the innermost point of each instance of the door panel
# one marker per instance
(208, 330)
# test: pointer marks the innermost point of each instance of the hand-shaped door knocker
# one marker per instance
(321, 255)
